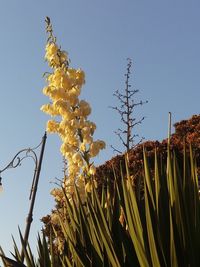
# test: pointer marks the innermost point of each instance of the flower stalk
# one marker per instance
(70, 114)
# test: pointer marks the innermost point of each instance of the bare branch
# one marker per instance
(125, 110)
(116, 150)
(120, 137)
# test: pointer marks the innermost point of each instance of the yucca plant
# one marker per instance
(162, 228)
(45, 256)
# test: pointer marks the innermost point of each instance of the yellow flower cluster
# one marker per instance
(71, 123)
(54, 56)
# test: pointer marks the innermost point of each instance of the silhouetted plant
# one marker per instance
(126, 110)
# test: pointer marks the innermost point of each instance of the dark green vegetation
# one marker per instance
(159, 228)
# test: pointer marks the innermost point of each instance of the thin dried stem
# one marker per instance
(126, 110)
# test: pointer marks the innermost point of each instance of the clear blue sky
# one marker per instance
(162, 38)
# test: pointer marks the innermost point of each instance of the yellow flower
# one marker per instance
(75, 91)
(75, 130)
(87, 140)
(85, 131)
(82, 147)
(52, 126)
(66, 148)
(65, 82)
(62, 106)
(51, 50)
(94, 149)
(85, 108)
(49, 109)
(77, 158)
(71, 73)
(92, 170)
(67, 116)
(73, 100)
(80, 77)
(101, 144)
(63, 57)
(52, 55)
(73, 170)
(47, 90)
(54, 218)
(71, 139)
(57, 193)
(92, 126)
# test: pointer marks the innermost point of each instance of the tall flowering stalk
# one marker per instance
(70, 115)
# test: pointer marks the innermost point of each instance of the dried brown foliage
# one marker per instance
(186, 132)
